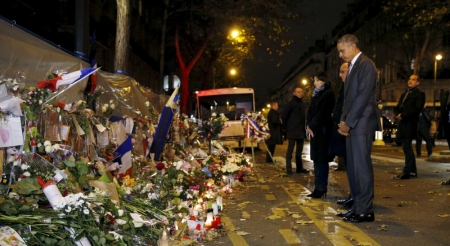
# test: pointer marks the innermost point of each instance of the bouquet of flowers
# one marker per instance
(213, 127)
(34, 98)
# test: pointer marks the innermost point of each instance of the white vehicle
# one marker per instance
(232, 102)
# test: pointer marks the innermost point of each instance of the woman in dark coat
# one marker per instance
(274, 122)
(319, 124)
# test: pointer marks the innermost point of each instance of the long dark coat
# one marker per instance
(274, 122)
(294, 119)
(410, 109)
(319, 120)
(337, 143)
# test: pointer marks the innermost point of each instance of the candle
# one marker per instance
(215, 208)
(209, 217)
(219, 201)
(214, 224)
(218, 220)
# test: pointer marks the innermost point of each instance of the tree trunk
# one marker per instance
(186, 70)
(163, 45)
(122, 35)
(420, 53)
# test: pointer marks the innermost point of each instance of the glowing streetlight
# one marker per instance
(304, 81)
(234, 33)
(233, 71)
(268, 105)
(438, 58)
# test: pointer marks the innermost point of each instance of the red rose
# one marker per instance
(160, 166)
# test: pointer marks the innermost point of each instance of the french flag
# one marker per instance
(123, 156)
(67, 79)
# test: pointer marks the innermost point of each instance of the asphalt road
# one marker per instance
(270, 208)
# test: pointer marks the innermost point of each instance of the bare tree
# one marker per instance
(122, 35)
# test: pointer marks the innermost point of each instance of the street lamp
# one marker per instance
(233, 71)
(304, 81)
(438, 58)
(234, 33)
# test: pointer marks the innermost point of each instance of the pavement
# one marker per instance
(271, 208)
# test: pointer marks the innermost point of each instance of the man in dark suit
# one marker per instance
(359, 121)
(407, 113)
(294, 120)
(274, 122)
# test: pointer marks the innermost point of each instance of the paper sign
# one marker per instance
(64, 132)
(10, 132)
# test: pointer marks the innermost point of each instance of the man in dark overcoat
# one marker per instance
(407, 113)
(274, 122)
(294, 120)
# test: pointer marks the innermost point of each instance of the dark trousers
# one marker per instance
(410, 159)
(360, 172)
(424, 134)
(342, 162)
(298, 153)
(321, 171)
(271, 149)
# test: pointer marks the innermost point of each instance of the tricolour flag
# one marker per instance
(123, 156)
(92, 82)
(67, 79)
(163, 125)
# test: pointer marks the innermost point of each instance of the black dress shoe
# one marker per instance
(370, 217)
(344, 201)
(413, 175)
(289, 173)
(348, 214)
(301, 170)
(402, 176)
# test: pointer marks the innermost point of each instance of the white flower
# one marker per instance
(48, 149)
(62, 203)
(47, 143)
(13, 195)
(104, 109)
(86, 211)
(40, 102)
(214, 115)
(27, 174)
(121, 221)
(24, 166)
(68, 209)
(116, 235)
(112, 106)
(111, 101)
(120, 212)
(39, 145)
(16, 163)
(11, 159)
(147, 103)
(15, 87)
(56, 147)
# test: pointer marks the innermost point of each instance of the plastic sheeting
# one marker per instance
(29, 59)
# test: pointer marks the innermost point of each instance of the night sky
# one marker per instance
(269, 70)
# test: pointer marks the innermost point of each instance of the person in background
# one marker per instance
(359, 121)
(424, 133)
(407, 111)
(274, 122)
(294, 119)
(319, 125)
(337, 144)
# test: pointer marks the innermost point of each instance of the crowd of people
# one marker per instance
(343, 126)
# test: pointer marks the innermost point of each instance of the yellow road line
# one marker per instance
(334, 228)
(289, 236)
(264, 187)
(234, 238)
(279, 212)
(271, 197)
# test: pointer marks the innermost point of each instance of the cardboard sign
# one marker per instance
(10, 132)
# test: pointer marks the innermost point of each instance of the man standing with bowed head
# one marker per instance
(359, 121)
